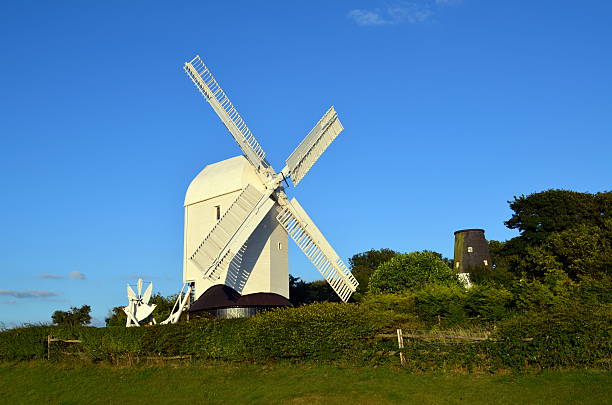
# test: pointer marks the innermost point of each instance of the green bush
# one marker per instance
(440, 300)
(488, 302)
(24, 343)
(555, 291)
(573, 336)
(411, 271)
(500, 276)
(595, 289)
(318, 331)
(401, 303)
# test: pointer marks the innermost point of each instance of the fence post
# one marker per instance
(48, 347)
(400, 345)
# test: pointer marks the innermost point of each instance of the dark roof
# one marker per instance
(222, 296)
(469, 230)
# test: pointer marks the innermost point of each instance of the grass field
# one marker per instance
(39, 382)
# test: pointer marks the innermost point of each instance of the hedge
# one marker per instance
(319, 331)
(576, 337)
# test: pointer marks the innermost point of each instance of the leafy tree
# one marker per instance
(538, 215)
(302, 292)
(449, 262)
(116, 317)
(411, 271)
(363, 265)
(75, 316)
(560, 229)
(583, 250)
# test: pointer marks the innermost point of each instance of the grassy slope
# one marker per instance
(39, 382)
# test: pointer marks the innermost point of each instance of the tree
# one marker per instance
(75, 316)
(411, 271)
(363, 265)
(302, 292)
(449, 262)
(557, 229)
(116, 317)
(581, 251)
(538, 215)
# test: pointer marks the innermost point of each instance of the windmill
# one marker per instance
(138, 308)
(238, 219)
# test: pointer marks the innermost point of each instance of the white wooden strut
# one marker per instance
(311, 241)
(214, 94)
(313, 146)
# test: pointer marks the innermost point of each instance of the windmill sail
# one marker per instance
(313, 146)
(214, 94)
(138, 308)
(228, 236)
(308, 237)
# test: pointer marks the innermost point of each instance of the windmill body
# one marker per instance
(263, 264)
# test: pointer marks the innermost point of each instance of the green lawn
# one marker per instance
(39, 382)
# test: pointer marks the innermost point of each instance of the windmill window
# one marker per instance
(470, 249)
(218, 211)
(486, 263)
(280, 246)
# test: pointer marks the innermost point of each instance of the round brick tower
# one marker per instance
(471, 250)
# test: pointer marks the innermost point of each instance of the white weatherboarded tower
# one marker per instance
(238, 217)
(262, 265)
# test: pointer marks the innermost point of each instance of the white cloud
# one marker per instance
(52, 276)
(448, 2)
(28, 293)
(411, 13)
(77, 275)
(365, 17)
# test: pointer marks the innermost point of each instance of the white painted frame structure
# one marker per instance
(229, 235)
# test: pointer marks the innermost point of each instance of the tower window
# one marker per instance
(218, 211)
(280, 246)
(470, 249)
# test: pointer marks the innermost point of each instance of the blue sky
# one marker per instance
(450, 109)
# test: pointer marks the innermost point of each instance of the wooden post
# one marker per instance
(48, 347)
(400, 345)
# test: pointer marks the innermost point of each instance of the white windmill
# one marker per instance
(237, 218)
(138, 308)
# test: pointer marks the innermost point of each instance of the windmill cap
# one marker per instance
(469, 230)
(221, 178)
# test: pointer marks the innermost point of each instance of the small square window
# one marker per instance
(470, 249)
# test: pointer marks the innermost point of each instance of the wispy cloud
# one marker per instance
(77, 275)
(448, 2)
(28, 293)
(8, 302)
(51, 276)
(410, 13)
